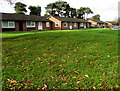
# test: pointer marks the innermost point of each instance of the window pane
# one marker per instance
(47, 24)
(81, 25)
(75, 24)
(32, 24)
(56, 24)
(40, 23)
(65, 24)
(28, 23)
(5, 24)
(11, 24)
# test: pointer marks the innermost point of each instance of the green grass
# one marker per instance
(64, 59)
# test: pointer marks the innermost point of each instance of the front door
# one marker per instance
(40, 26)
(21, 26)
(70, 25)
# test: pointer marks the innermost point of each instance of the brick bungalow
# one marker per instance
(21, 22)
(97, 24)
(112, 23)
(63, 23)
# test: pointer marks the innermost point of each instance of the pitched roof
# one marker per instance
(114, 23)
(22, 17)
(97, 21)
(66, 19)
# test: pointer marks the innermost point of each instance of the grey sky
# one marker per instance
(108, 9)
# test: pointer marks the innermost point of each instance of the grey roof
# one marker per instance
(22, 17)
(66, 19)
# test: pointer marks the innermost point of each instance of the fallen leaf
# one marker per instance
(74, 77)
(45, 86)
(108, 55)
(94, 87)
(99, 84)
(86, 76)
(11, 81)
(117, 86)
(64, 83)
(78, 81)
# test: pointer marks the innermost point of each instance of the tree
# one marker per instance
(80, 13)
(46, 15)
(51, 9)
(96, 17)
(35, 10)
(59, 8)
(88, 11)
(73, 12)
(20, 8)
(83, 11)
(67, 9)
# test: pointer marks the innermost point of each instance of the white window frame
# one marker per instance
(81, 24)
(56, 24)
(66, 24)
(47, 24)
(92, 25)
(32, 24)
(8, 23)
(75, 24)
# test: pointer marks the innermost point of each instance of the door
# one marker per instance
(20, 26)
(40, 26)
(70, 25)
(85, 25)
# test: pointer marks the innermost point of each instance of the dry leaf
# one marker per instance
(64, 84)
(45, 86)
(94, 87)
(117, 86)
(86, 76)
(74, 77)
(99, 84)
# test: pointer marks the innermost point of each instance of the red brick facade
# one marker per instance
(46, 28)
(0, 26)
(32, 22)
(62, 27)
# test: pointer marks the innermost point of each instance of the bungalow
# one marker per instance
(112, 23)
(21, 22)
(97, 24)
(109, 23)
(63, 23)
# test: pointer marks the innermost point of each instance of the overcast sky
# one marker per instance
(108, 9)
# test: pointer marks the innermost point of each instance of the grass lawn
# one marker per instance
(72, 59)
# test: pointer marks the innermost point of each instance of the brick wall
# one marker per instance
(68, 27)
(24, 26)
(55, 21)
(36, 26)
(44, 26)
(64, 28)
(0, 26)
(76, 26)
(93, 22)
(17, 26)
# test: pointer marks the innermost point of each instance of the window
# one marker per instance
(56, 24)
(65, 24)
(8, 24)
(92, 25)
(47, 24)
(75, 24)
(81, 25)
(30, 24)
